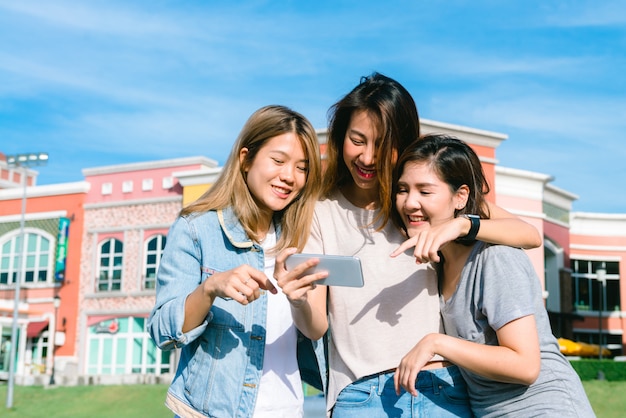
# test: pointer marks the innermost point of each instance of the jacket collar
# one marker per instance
(234, 230)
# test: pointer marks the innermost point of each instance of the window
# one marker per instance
(154, 252)
(107, 188)
(125, 348)
(588, 293)
(110, 269)
(146, 185)
(127, 186)
(167, 182)
(37, 260)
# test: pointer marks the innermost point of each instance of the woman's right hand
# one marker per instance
(242, 284)
(427, 242)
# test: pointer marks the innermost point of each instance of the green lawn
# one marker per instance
(147, 401)
(86, 401)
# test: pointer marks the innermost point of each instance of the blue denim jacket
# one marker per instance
(221, 361)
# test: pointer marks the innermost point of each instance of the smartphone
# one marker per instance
(343, 270)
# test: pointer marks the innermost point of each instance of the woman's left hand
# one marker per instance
(294, 283)
(412, 363)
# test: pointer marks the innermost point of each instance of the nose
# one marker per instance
(411, 202)
(286, 174)
(368, 156)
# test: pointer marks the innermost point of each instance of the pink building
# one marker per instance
(118, 222)
(127, 213)
(584, 306)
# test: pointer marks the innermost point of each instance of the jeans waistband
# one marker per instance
(433, 378)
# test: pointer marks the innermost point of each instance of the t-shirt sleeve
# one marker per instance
(509, 283)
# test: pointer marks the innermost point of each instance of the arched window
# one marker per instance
(154, 251)
(37, 260)
(110, 254)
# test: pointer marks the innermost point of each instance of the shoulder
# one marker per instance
(486, 249)
(199, 217)
(498, 257)
(328, 206)
(328, 202)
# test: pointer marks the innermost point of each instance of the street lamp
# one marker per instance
(21, 161)
(601, 277)
(53, 335)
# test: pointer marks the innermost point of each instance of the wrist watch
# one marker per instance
(471, 235)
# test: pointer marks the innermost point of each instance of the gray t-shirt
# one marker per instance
(498, 285)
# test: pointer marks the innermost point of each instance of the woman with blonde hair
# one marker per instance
(216, 299)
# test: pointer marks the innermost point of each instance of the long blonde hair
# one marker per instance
(231, 189)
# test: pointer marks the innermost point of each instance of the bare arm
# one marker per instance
(307, 299)
(516, 360)
(507, 229)
(502, 228)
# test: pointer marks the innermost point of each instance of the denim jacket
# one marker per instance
(221, 360)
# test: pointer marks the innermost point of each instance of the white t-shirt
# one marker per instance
(280, 389)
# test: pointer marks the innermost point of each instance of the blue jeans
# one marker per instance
(441, 393)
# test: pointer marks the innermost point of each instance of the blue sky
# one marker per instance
(109, 82)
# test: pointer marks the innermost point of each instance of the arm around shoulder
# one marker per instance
(507, 229)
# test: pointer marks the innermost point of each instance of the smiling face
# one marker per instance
(277, 174)
(359, 155)
(424, 200)
(359, 150)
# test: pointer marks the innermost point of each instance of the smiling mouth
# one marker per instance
(281, 191)
(415, 218)
(368, 174)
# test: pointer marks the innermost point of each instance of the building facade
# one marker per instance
(111, 228)
(47, 268)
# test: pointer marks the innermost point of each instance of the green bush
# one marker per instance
(588, 369)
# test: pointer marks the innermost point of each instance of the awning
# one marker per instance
(35, 328)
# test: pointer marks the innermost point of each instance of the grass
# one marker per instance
(606, 397)
(147, 401)
(86, 401)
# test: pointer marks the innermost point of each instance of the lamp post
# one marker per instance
(53, 336)
(601, 277)
(22, 161)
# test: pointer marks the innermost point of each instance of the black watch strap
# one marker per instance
(471, 235)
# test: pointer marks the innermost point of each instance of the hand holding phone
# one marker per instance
(343, 270)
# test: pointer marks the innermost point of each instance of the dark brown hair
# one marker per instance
(397, 124)
(455, 163)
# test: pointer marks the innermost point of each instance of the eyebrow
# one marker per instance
(357, 132)
(422, 184)
(281, 152)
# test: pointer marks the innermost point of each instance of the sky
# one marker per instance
(111, 82)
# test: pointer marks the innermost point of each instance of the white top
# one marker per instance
(280, 389)
(372, 327)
